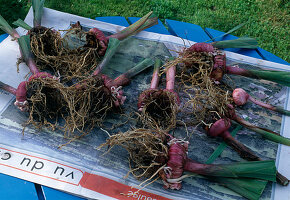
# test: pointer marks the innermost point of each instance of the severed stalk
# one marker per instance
(153, 152)
(220, 129)
(219, 68)
(96, 37)
(159, 106)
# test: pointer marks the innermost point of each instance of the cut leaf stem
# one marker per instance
(170, 78)
(8, 29)
(281, 77)
(155, 77)
(24, 45)
(147, 21)
(112, 48)
(124, 79)
(7, 88)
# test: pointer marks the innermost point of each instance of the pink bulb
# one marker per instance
(201, 47)
(240, 96)
(219, 127)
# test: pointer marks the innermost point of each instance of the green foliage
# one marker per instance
(221, 147)
(12, 10)
(252, 189)
(37, 6)
(280, 77)
(165, 9)
(146, 63)
(268, 19)
(265, 170)
(242, 42)
(22, 24)
(112, 48)
(24, 44)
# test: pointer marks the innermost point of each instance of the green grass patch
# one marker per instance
(268, 19)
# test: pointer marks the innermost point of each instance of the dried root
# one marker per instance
(54, 53)
(89, 105)
(147, 150)
(46, 102)
(46, 40)
(81, 106)
(202, 94)
(160, 109)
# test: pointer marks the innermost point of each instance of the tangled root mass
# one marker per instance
(81, 106)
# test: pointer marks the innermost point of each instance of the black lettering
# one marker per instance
(59, 168)
(28, 159)
(70, 174)
(37, 167)
(6, 156)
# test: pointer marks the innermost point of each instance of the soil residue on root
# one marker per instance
(201, 95)
(53, 53)
(148, 151)
(160, 109)
(81, 106)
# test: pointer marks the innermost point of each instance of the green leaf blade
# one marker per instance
(110, 52)
(249, 188)
(229, 32)
(24, 44)
(37, 6)
(145, 22)
(221, 147)
(144, 64)
(280, 77)
(22, 24)
(7, 28)
(242, 42)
